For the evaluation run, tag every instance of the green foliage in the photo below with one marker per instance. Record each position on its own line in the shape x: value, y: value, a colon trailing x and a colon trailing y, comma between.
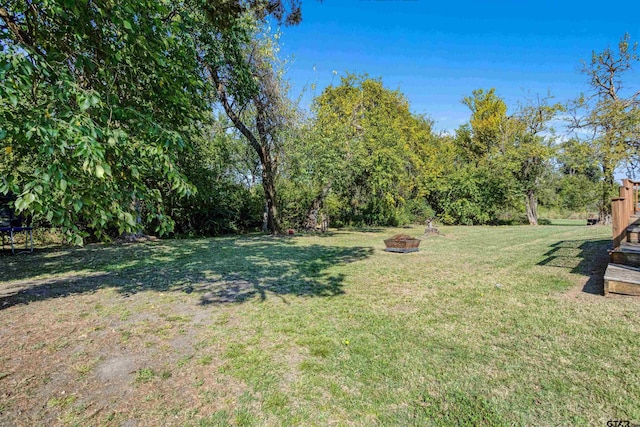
x: 488, y: 116
x: 609, y: 112
x: 417, y: 211
x: 314, y: 165
x: 369, y: 149
x: 98, y: 103
x: 224, y: 201
x: 474, y: 195
x: 106, y: 127
x: 532, y: 142
x: 479, y: 185
x: 578, y: 193
x: 246, y: 75
x: 294, y: 202
x: 520, y: 146
x: 224, y: 13
x: 575, y: 183
x: 577, y: 157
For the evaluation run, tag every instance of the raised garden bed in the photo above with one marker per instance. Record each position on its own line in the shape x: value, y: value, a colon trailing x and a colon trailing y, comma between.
x: 402, y: 243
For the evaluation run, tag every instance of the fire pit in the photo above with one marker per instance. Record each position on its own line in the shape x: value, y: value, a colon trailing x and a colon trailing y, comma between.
x: 402, y: 243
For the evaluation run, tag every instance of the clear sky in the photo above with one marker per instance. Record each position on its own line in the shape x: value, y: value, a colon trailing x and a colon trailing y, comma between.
x: 437, y: 52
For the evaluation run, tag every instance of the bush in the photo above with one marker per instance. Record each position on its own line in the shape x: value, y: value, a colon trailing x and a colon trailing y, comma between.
x: 474, y: 195
x: 417, y: 211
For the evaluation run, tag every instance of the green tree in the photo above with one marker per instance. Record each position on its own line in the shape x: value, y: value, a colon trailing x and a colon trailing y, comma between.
x: 223, y: 171
x: 578, y: 193
x: 98, y: 101
x: 482, y: 185
x: 520, y: 145
x: 315, y: 163
x: 246, y: 74
x: 101, y: 99
x: 375, y: 154
x: 474, y: 194
x: 223, y: 14
x: 608, y: 116
x: 578, y: 157
x: 576, y: 182
x: 532, y: 150
x: 488, y: 118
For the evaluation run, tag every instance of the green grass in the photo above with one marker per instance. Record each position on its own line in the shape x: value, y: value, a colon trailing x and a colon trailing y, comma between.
x: 483, y: 326
x: 145, y: 375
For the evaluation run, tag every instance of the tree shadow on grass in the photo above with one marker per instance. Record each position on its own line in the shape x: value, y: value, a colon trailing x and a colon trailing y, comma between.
x: 586, y: 257
x: 222, y: 270
x: 345, y: 230
x: 365, y: 229
x: 548, y: 223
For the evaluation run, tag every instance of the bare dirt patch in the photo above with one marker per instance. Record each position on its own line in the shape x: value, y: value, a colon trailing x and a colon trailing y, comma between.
x: 102, y: 358
x: 120, y: 369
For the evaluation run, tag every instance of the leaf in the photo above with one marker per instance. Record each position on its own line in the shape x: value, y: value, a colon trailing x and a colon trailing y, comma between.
x: 126, y: 24
x: 129, y: 219
x: 160, y: 61
x: 99, y: 171
x: 63, y: 185
x: 3, y: 133
x: 84, y: 104
x: 77, y: 205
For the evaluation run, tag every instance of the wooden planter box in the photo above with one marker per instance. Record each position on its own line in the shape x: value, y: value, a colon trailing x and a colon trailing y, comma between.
x: 402, y: 243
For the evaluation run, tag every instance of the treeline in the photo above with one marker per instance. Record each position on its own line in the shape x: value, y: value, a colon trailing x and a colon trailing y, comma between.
x: 164, y: 117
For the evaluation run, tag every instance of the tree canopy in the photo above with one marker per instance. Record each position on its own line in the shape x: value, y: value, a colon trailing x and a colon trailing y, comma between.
x: 103, y: 98
x: 118, y: 117
x: 608, y: 115
x: 370, y: 149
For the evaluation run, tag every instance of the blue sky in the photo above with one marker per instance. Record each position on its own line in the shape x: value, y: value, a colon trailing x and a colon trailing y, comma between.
x: 438, y: 52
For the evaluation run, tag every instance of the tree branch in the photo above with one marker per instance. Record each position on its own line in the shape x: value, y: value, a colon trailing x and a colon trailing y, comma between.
x: 11, y: 22
x: 235, y: 118
x: 23, y: 37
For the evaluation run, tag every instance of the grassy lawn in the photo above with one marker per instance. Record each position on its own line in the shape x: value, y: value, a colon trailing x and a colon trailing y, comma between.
x: 483, y: 326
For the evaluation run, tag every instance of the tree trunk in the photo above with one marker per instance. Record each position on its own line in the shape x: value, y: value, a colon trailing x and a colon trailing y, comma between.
x: 604, y: 208
x: 531, y: 202
x: 269, y: 185
x: 260, y: 143
x: 133, y: 237
x: 311, y: 223
x: 265, y: 218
